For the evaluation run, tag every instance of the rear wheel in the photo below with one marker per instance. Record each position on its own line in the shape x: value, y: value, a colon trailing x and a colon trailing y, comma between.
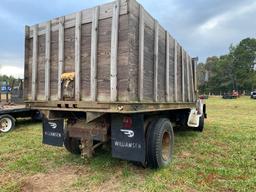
x: 72, y: 144
x: 7, y: 123
x: 160, y: 142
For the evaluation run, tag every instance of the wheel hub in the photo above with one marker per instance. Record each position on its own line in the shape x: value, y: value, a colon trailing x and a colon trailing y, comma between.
x: 166, y: 141
x: 5, y: 124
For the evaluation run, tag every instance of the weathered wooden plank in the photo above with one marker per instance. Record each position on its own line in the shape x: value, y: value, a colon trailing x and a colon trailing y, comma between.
x: 183, y: 74
x: 148, y: 84
x: 171, y: 68
x: 34, y: 62
x: 194, y: 75
x: 114, y: 45
x: 26, y: 63
x: 191, y: 79
x: 156, y: 61
x: 47, y: 60
x: 77, y: 55
x: 61, y: 54
x: 167, y: 65
x: 40, y: 82
x: 123, y: 60
x: 175, y: 71
x: 85, y: 70
x: 54, y: 60
x: 188, y: 78
x: 94, y: 42
x: 134, y: 47
x: 161, y: 71
x: 141, y: 53
x: 103, y: 60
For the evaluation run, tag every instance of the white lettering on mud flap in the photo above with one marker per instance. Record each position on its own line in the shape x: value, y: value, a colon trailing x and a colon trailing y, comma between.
x: 127, y: 145
x: 52, y: 134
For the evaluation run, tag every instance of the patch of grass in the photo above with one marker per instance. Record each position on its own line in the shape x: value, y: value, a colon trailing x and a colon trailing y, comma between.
x: 222, y: 158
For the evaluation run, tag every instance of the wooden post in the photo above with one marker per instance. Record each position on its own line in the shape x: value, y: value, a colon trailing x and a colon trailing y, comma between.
x: 61, y: 54
x: 156, y: 62
x: 194, y: 60
x: 26, y: 64
x: 47, y: 59
x: 175, y: 71
x: 141, y: 54
x: 34, y: 62
x: 191, y: 79
x: 77, y: 55
x: 183, y: 75
x: 94, y: 43
x: 188, y: 78
x: 167, y: 74
x: 114, y: 46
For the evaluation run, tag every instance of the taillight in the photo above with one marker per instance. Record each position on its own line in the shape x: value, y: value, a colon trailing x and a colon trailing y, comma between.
x: 127, y: 122
x: 201, y: 97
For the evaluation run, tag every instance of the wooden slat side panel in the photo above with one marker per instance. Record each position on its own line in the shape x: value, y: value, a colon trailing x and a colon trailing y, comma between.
x: 133, y: 45
x: 122, y: 59
x: 103, y: 68
x: 47, y: 61
x: 114, y: 51
x: 148, y: 58
x: 182, y: 75
x: 171, y: 68
x: 69, y: 50
x: 60, y: 54
x: 179, y: 74
x: 26, y: 64
x: 161, y: 77
x: 156, y: 61
x: 34, y: 62
x: 191, y: 80
x: 77, y: 56
x: 86, y: 61
x: 188, y: 78
x: 40, y: 87
x: 194, y: 64
x: 185, y: 76
x: 167, y: 66
x: 29, y: 75
x: 54, y: 65
x: 93, y: 55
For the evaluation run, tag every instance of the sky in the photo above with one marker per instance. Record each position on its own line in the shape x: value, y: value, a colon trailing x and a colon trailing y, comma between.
x: 204, y: 28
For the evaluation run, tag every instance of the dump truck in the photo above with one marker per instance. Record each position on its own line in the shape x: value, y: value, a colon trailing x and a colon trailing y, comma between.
x: 113, y: 74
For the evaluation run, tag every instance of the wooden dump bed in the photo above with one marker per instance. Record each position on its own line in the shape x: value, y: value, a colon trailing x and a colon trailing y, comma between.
x: 118, y: 54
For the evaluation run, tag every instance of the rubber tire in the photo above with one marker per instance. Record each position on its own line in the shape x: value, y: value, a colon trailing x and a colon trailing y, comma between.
x: 154, y: 138
x: 72, y: 144
x: 200, y: 128
x: 12, y: 122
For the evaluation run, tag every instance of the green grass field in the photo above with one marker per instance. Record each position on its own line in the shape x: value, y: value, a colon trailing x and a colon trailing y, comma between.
x: 222, y: 158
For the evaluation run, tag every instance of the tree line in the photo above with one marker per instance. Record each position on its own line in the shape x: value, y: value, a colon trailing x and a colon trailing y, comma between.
x: 233, y: 71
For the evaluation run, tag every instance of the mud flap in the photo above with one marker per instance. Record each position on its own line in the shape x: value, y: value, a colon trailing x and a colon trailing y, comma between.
x: 128, y: 141
x: 53, y: 132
